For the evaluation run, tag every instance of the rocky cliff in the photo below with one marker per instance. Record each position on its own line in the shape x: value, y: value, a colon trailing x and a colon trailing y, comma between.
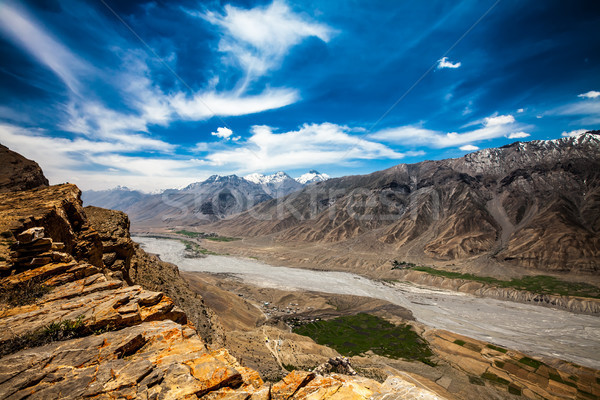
x: 19, y: 173
x: 534, y: 205
x: 72, y: 324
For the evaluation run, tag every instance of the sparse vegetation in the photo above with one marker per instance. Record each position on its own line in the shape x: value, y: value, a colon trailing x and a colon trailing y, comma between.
x: 402, y: 265
x: 541, y: 284
x: 459, y: 342
x: 357, y: 334
x: 24, y: 293
x: 289, y: 367
x: 531, y: 362
x: 476, y: 381
x: 61, y: 330
x: 193, y: 250
x: 208, y: 236
x: 497, y: 348
x: 490, y: 376
x: 512, y: 389
x: 222, y: 238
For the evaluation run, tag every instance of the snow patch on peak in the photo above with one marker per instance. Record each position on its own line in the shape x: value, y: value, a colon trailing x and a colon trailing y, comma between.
x: 312, y: 176
x: 261, y: 179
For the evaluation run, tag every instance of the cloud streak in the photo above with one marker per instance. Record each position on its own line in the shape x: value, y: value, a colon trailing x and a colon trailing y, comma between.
x: 27, y: 33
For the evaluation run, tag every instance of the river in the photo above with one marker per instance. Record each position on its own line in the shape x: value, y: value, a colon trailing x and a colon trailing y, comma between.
x: 532, y: 329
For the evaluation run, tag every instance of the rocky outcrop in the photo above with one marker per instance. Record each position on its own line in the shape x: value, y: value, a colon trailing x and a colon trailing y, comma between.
x: 533, y: 205
x: 570, y: 303
x: 113, y: 228
x: 58, y: 210
x: 128, y: 261
x: 19, y: 173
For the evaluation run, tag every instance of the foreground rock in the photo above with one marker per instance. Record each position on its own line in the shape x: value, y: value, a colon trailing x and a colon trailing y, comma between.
x: 125, y: 259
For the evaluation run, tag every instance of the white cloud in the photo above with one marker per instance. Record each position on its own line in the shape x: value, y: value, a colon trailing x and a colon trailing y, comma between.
x: 98, y: 164
x: 521, y: 110
x: 257, y: 39
x: 222, y: 133
x: 444, y: 63
x: 491, y: 127
x: 518, y: 135
x: 592, y: 94
x: 469, y: 147
x: 576, y: 132
x: 313, y: 144
x: 499, y: 120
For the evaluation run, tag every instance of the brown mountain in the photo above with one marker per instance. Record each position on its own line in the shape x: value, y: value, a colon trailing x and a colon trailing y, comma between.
x: 534, y: 204
x: 18, y: 172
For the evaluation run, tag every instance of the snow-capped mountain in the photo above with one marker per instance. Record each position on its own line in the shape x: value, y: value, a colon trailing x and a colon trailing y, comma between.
x: 311, y: 177
x: 261, y: 179
x: 216, y: 197
x: 278, y: 184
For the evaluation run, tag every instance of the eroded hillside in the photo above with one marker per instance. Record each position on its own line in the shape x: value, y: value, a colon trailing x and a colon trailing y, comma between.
x: 533, y: 205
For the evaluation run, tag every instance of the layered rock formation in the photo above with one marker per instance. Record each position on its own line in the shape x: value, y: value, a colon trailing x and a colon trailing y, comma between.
x: 19, y: 173
x: 534, y: 205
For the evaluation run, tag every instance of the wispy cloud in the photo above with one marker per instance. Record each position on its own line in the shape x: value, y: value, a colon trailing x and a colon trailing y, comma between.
x: 587, y: 109
x: 491, y: 128
x: 312, y: 144
x: 41, y: 45
x: 204, y: 105
x: 468, y: 147
x: 257, y: 39
x: 445, y: 63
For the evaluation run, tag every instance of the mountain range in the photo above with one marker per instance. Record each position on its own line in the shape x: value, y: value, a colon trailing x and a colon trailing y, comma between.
x: 529, y: 204
x: 200, y: 202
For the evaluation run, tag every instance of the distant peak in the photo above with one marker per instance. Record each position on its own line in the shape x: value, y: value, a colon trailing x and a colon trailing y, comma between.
x: 261, y: 179
x: 312, y: 176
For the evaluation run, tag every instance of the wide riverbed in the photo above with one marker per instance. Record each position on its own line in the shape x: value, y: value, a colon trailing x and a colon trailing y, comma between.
x: 532, y: 329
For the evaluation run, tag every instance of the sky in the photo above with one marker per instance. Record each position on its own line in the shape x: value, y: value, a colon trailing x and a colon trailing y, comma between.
x: 156, y: 94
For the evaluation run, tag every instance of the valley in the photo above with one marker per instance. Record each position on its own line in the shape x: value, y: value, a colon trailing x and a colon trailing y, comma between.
x: 565, y: 335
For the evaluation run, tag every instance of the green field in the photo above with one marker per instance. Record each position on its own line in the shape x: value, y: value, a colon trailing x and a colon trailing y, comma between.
x: 357, y: 334
x: 541, y: 284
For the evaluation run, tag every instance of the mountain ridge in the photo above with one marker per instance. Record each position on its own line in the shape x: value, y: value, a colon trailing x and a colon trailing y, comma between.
x: 214, y: 198
x: 530, y: 204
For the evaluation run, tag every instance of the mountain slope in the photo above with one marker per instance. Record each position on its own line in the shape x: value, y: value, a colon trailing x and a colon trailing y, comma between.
x: 534, y: 204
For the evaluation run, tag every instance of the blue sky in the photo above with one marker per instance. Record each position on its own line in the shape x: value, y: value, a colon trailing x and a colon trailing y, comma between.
x: 160, y: 94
